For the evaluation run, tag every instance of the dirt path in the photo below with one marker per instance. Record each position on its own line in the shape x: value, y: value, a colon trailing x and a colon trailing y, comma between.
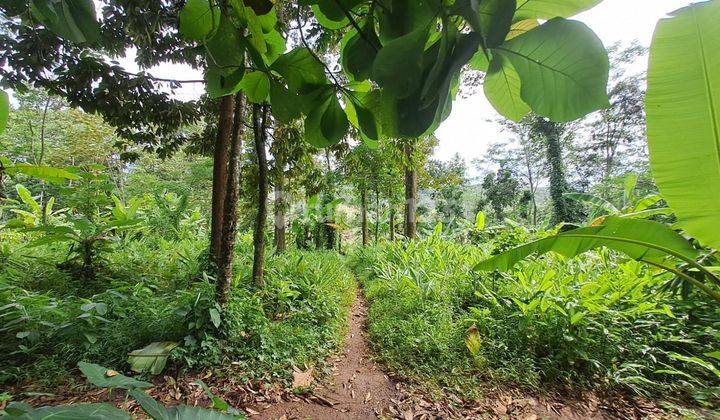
x: 357, y: 388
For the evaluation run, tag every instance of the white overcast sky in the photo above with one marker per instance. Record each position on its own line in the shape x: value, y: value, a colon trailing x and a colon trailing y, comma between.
x: 469, y: 130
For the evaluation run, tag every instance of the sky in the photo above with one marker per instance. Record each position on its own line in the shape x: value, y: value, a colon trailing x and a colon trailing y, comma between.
x: 470, y: 129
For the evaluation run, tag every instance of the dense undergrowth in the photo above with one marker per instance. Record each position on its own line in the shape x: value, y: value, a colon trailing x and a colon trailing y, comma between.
x: 597, y: 322
x: 149, y: 289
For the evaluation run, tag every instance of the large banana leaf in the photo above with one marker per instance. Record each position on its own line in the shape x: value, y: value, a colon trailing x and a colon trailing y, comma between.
x: 66, y: 412
x: 683, y: 117
x: 643, y: 240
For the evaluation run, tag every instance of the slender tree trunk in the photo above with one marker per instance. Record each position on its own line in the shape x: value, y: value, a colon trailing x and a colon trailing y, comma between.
x: 377, y: 215
x: 229, y: 225
x: 260, y: 131
x: 410, y: 193
x: 220, y: 177
x: 279, y: 215
x: 363, y: 217
x: 392, y: 224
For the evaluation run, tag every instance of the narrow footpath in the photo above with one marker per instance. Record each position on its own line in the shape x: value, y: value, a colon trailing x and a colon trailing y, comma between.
x: 357, y: 388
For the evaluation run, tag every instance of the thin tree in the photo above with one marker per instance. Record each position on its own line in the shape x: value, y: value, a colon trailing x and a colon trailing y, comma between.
x: 229, y: 221
x: 260, y: 119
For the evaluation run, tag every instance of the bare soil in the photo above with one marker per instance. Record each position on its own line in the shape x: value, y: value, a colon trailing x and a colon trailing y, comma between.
x: 356, y: 389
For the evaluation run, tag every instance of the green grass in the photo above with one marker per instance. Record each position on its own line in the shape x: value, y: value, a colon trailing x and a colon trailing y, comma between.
x: 596, y: 322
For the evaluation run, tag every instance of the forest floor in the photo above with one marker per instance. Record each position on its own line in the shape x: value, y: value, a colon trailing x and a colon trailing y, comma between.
x: 354, y: 386
x: 358, y: 388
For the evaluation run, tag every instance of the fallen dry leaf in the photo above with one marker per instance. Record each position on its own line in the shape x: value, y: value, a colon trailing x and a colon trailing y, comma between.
x: 302, y: 379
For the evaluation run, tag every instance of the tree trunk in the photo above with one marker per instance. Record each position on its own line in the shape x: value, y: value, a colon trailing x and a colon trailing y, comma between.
x: 229, y: 225
x: 260, y: 128
x: 363, y: 217
x: 279, y: 234
x: 563, y: 210
x: 410, y: 193
x: 392, y: 224
x: 220, y: 163
x: 377, y: 215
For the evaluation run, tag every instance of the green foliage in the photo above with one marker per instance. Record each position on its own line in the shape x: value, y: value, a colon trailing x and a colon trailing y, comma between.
x: 683, y: 117
x: 107, y: 378
x: 546, y: 323
x: 199, y: 20
x: 642, y: 240
x: 4, y: 110
x: 73, y: 20
x: 70, y: 411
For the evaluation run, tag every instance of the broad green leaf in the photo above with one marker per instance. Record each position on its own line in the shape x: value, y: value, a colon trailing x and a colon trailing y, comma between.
x: 268, y: 21
x: 683, y: 117
x: 71, y: 412
x: 286, y: 105
x: 4, y: 110
x: 334, y: 123
x: 641, y: 240
x: 256, y: 86
x: 519, y: 28
x: 153, y: 408
x: 644, y: 214
x: 184, y: 412
x: 439, y: 54
x: 225, y: 49
x: 360, y: 116
x: 27, y: 198
x: 199, y: 20
x: 74, y: 20
x: 45, y: 173
x: 359, y: 52
x: 398, y: 67
x: 275, y: 46
x: 647, y: 202
x: 502, y: 88
x: 631, y: 180
x: 324, y: 124
x: 327, y: 21
x: 300, y: 69
x: 219, y: 83
x: 548, y: 9
x: 106, y: 378
x: 563, y: 68
x: 496, y: 16
x: 151, y: 358
x: 255, y: 29
x: 397, y: 18
x: 480, y: 60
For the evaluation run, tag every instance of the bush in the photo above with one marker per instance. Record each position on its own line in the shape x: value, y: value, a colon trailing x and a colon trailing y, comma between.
x: 153, y: 289
x: 593, y: 322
